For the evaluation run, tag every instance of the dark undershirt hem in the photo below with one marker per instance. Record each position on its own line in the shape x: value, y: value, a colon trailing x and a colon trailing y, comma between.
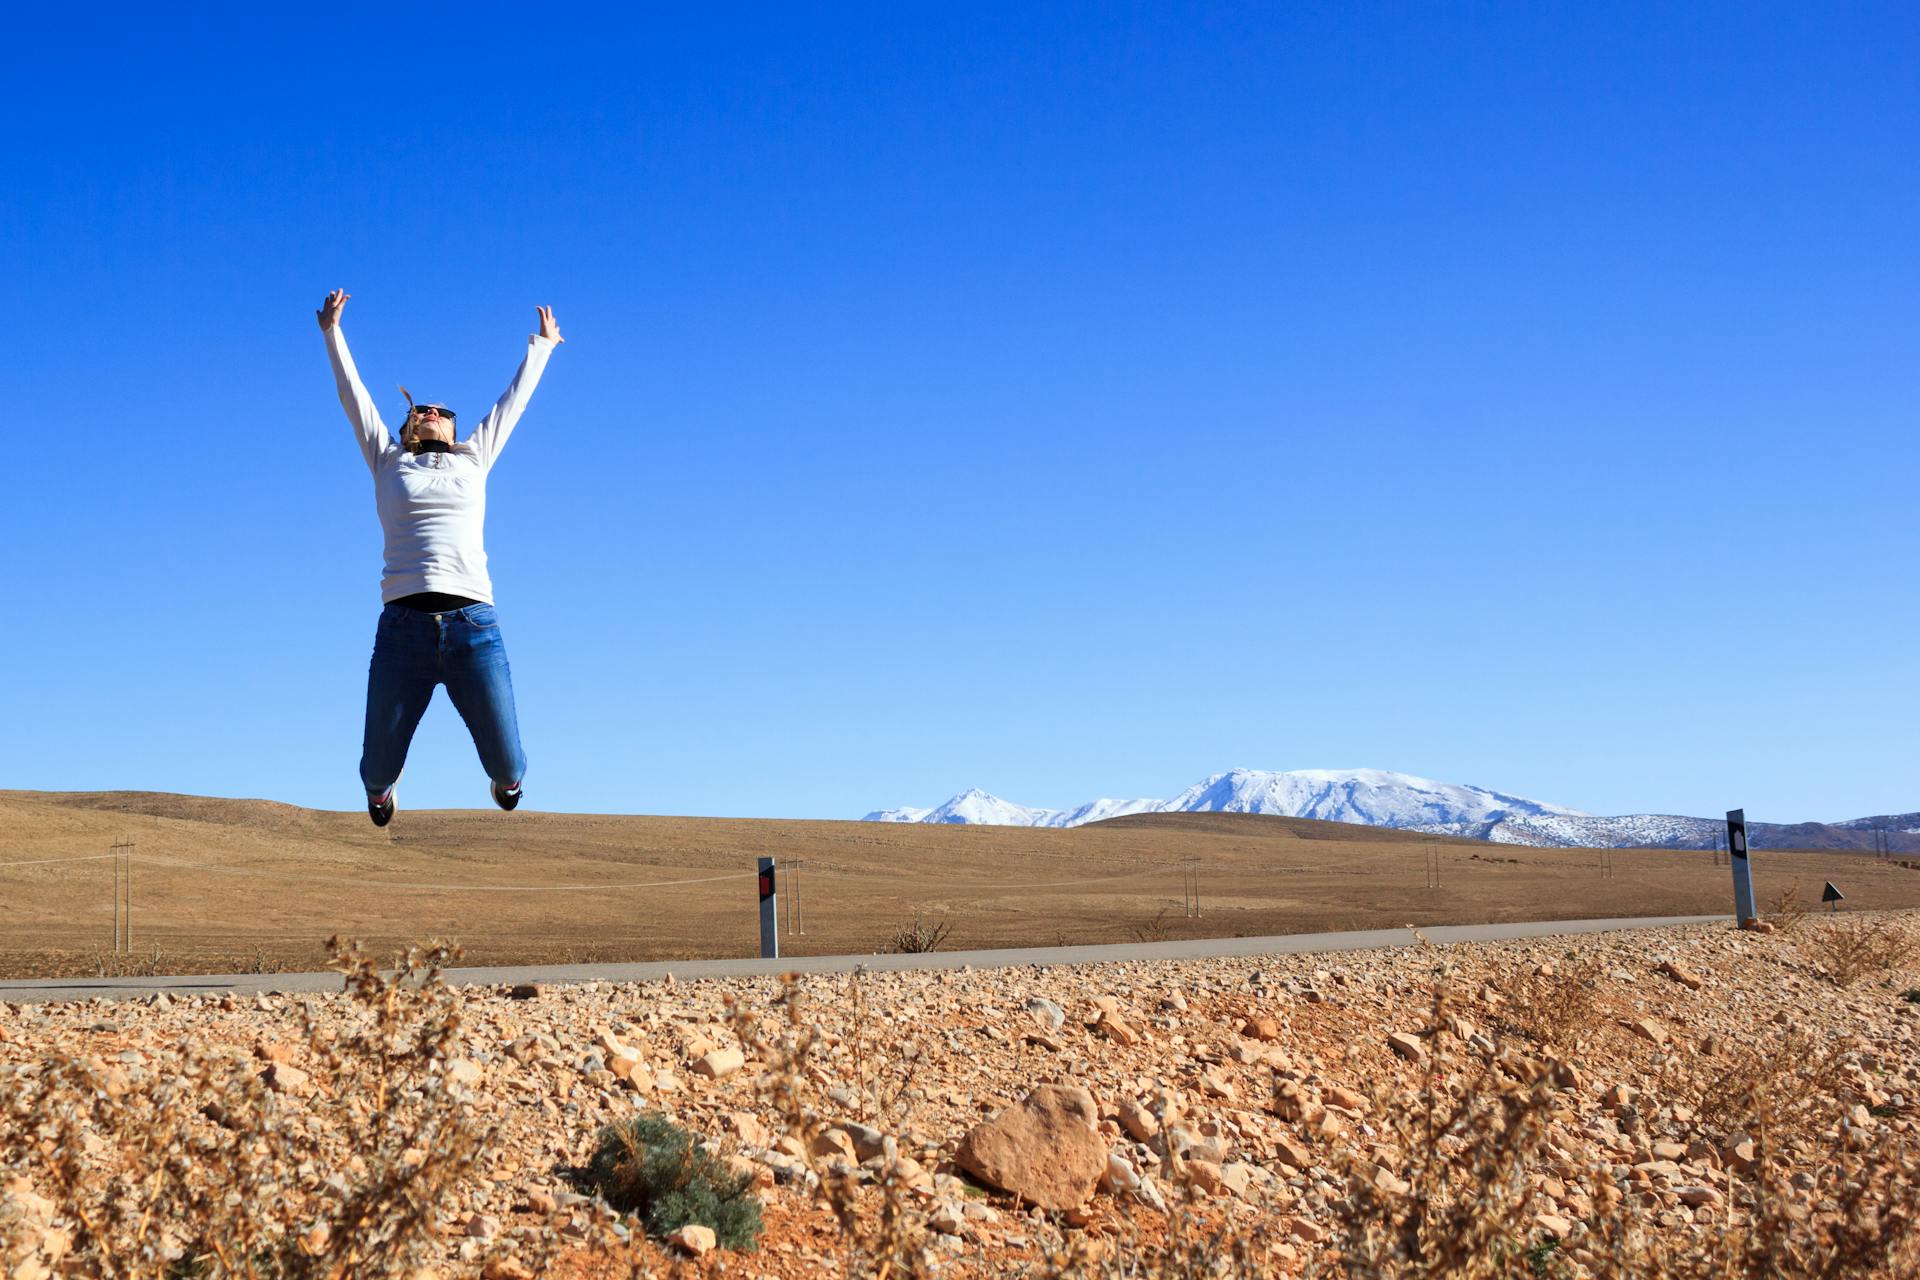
x: 433, y: 602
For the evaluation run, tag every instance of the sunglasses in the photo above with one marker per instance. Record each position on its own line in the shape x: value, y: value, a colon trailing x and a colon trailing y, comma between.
x: 420, y: 410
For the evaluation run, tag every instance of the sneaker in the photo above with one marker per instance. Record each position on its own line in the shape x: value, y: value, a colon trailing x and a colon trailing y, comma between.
x: 380, y: 808
x: 506, y: 797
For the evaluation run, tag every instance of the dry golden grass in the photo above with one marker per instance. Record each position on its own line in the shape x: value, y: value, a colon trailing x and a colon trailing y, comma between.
x: 229, y: 885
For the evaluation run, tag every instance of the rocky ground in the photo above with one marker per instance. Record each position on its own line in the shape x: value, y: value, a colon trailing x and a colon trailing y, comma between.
x: 1106, y: 1096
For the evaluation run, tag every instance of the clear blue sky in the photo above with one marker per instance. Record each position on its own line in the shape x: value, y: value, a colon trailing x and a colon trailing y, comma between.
x: 1064, y: 401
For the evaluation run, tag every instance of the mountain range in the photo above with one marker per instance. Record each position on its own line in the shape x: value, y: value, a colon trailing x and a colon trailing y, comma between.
x: 1376, y: 797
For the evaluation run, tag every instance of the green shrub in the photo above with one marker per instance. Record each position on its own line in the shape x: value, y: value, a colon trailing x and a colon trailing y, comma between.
x: 651, y: 1167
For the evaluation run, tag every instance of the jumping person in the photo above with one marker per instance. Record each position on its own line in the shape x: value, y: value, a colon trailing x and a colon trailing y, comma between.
x: 438, y: 625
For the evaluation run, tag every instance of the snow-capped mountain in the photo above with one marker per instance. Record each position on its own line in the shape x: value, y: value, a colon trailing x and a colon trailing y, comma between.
x: 1375, y: 797
x: 977, y: 807
x: 1371, y: 796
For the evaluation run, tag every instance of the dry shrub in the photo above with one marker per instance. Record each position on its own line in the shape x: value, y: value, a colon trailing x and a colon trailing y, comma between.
x: 1781, y: 1091
x: 1156, y: 929
x: 1447, y: 1188
x: 891, y: 1236
x: 1553, y: 1006
x: 920, y: 937
x: 196, y: 1166
x: 1450, y: 1191
x: 1857, y: 947
x: 1789, y: 912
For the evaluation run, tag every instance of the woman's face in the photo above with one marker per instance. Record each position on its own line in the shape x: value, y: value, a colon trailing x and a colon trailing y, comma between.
x: 427, y: 422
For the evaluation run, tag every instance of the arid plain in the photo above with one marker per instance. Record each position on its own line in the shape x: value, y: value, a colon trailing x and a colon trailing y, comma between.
x: 244, y: 884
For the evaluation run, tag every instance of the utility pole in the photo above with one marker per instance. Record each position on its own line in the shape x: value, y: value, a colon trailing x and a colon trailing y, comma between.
x: 796, y: 917
x: 122, y: 897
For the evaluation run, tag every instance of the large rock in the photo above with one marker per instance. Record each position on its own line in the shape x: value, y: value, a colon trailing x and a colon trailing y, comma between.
x: 1044, y: 1149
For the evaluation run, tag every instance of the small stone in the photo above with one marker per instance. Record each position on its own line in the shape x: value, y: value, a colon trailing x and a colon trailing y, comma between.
x: 1207, y: 1176
x: 1261, y: 1029
x: 1407, y: 1046
x: 868, y: 1141
x: 1647, y: 1029
x: 1554, y: 1225
x: 747, y: 1127
x: 276, y: 1051
x: 1685, y: 977
x: 694, y: 1239
x: 1292, y: 1153
x: 285, y: 1079
x: 720, y: 1063
x: 1218, y: 1086
x: 832, y: 1143
x: 464, y: 1072
x: 1045, y: 1012
x: 1120, y: 1175
x: 1346, y: 1099
x: 1138, y: 1120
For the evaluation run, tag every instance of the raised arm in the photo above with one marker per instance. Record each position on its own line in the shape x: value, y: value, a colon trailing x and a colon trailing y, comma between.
x: 491, y: 435
x: 367, y: 425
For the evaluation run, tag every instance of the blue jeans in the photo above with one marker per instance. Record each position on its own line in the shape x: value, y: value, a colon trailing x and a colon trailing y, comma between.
x: 412, y: 653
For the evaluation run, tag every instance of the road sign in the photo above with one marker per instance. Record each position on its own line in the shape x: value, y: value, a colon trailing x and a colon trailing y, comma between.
x: 1743, y: 908
x: 769, y: 915
x: 1831, y: 895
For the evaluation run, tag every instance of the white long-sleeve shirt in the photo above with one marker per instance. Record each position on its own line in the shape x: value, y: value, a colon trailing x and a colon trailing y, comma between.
x: 433, y: 506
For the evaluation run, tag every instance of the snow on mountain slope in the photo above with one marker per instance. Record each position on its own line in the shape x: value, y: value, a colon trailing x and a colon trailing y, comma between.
x: 973, y: 807
x: 1370, y: 796
x: 1375, y: 797
x: 1634, y: 830
x: 897, y: 815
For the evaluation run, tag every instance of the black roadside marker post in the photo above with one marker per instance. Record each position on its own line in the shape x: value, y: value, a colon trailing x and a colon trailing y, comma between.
x: 1832, y: 896
x: 1742, y: 867
x: 769, y: 915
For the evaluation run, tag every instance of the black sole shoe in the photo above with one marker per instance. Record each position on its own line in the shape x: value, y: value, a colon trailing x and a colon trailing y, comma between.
x: 507, y: 798
x: 381, y: 810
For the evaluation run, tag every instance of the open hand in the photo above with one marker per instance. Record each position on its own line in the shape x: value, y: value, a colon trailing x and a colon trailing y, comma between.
x: 548, y: 328
x: 329, y: 313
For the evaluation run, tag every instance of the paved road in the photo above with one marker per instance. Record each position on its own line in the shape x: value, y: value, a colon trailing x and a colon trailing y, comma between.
x: 33, y: 990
